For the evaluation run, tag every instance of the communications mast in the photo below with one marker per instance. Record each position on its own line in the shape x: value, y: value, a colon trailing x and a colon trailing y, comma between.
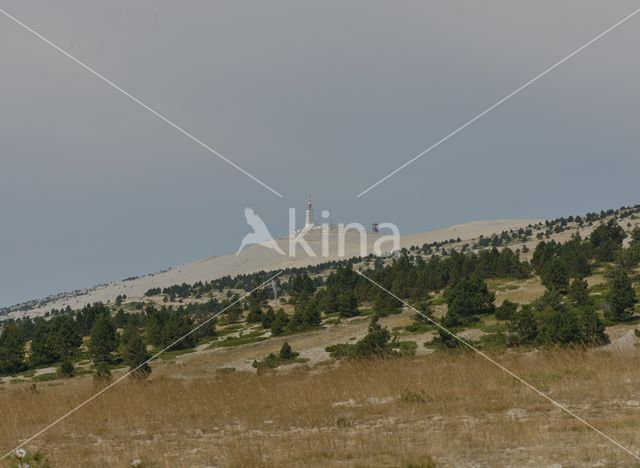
x: 308, y: 219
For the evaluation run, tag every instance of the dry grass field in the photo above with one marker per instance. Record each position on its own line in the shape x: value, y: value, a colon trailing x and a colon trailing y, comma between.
x: 441, y: 409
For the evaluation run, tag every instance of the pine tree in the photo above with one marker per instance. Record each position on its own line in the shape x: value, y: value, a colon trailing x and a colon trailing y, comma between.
x: 385, y: 304
x: 121, y: 319
x: 312, y: 314
x: 267, y: 318
x: 579, y: 293
x: 129, y: 331
x: 306, y: 315
x: 206, y: 330
x: 621, y: 297
x: 506, y: 310
x: 425, y: 310
x: 66, y: 336
x: 103, y: 340
x: 593, y: 329
x: 279, y: 322
x: 11, y: 353
x: 629, y: 259
x: 544, y: 252
x: 255, y: 314
x: 43, y: 348
x: 155, y: 321
x: 560, y: 327
x: 286, y: 353
x: 66, y: 370
x: 234, y: 313
x: 447, y: 340
x: 555, y: 275
x: 470, y: 297
x: 347, y: 304
x: 177, y: 327
x: 606, y: 240
x: 86, y: 317
x: 549, y: 300
x: 302, y: 284
x: 376, y: 341
x: 135, y: 356
x: 523, y: 327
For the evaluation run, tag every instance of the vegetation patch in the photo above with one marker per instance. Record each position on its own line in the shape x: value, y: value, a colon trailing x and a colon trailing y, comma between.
x: 45, y: 377
x: 377, y: 343
x: 494, y: 342
x: 413, y: 396
x: 171, y: 354
x: 285, y: 356
x: 230, y: 341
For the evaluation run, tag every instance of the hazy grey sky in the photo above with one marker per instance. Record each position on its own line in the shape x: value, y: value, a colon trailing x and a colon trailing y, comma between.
x: 322, y: 97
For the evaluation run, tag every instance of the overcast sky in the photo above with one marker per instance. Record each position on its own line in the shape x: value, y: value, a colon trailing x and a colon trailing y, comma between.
x: 321, y: 97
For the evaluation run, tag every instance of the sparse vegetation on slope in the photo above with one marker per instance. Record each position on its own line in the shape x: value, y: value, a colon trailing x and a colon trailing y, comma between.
x: 567, y: 296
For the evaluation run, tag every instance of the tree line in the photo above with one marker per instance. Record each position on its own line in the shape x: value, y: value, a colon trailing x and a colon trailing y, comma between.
x: 565, y: 314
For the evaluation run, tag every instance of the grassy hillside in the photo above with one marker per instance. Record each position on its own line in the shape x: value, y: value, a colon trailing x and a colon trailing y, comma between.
x: 366, y: 380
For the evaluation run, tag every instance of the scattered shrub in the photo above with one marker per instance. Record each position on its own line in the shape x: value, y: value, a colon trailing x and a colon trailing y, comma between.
x: 66, y: 370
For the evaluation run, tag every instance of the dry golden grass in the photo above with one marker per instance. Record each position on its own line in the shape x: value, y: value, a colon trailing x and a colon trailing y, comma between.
x: 455, y: 409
